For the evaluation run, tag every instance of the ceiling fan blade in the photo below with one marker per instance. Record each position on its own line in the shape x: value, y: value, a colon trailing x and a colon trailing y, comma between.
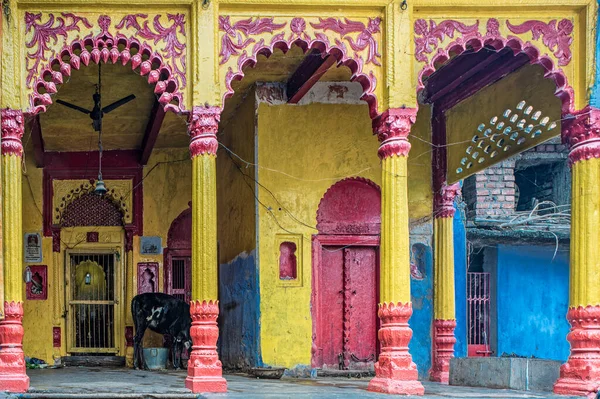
x: 117, y: 104
x: 75, y: 107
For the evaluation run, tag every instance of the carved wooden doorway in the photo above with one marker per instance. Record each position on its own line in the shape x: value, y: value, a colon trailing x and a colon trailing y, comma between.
x: 345, y: 276
x: 178, y: 257
x: 95, y: 275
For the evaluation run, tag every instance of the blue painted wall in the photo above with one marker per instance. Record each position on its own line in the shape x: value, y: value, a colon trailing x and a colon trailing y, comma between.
x: 422, y: 318
x: 460, y: 283
x: 239, y: 316
x: 532, y: 301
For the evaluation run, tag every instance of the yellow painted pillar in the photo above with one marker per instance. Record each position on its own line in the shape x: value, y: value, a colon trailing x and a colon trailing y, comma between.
x: 204, y: 367
x: 12, y: 361
x: 395, y: 372
x: 580, y: 375
x: 444, y: 321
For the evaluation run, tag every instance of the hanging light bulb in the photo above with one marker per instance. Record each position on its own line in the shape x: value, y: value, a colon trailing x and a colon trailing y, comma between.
x: 100, y: 187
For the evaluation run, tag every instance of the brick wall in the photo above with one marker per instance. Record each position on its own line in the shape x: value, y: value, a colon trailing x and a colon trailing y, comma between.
x: 491, y: 192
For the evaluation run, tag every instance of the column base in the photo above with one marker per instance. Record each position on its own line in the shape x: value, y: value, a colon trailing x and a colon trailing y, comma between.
x: 395, y: 372
x: 576, y: 387
x: 14, y: 383
x: 580, y: 375
x: 443, y: 350
x: 206, y: 384
x: 205, y: 373
x: 12, y: 360
x: 395, y: 387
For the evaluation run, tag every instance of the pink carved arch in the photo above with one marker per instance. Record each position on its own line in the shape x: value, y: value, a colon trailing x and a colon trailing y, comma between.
x: 350, y: 206
x: 322, y: 44
x: 180, y: 232
x: 105, y: 47
x: 471, y: 39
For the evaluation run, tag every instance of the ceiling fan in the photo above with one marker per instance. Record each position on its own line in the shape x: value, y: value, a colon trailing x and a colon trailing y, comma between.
x: 97, y: 113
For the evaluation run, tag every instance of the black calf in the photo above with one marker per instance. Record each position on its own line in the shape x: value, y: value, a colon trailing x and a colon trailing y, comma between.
x: 163, y: 314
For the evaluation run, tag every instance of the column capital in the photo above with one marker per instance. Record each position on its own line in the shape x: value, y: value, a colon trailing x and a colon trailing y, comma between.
x: 581, y: 133
x: 444, y: 200
x: 12, y: 127
x: 202, y: 128
x: 392, y: 129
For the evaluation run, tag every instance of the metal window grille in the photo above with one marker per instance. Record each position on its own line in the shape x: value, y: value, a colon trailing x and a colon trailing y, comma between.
x: 478, y: 303
x: 92, y: 303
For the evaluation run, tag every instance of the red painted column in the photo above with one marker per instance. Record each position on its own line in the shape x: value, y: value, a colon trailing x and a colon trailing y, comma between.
x: 12, y: 362
x: 204, y: 367
x: 395, y: 372
x: 580, y: 375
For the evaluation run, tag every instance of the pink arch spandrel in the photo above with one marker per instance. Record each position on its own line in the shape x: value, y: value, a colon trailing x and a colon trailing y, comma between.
x: 105, y: 47
x: 368, y: 82
x: 496, y: 42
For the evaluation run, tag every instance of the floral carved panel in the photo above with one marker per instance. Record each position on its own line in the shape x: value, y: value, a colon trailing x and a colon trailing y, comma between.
x: 152, y: 45
x: 546, y: 43
x: 67, y: 191
x: 355, y: 43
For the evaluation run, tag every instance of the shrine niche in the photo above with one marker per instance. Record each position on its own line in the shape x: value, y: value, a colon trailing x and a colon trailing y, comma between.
x: 147, y: 277
x: 37, y: 287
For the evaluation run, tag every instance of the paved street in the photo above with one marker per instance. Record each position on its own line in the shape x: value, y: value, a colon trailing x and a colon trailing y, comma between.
x: 92, y: 382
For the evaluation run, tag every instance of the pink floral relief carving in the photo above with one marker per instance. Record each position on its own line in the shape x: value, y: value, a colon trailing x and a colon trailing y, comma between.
x: 428, y: 37
x: 233, y: 42
x: 43, y: 33
x: 49, y: 61
x: 556, y: 37
x: 365, y: 37
x: 238, y: 42
x: 173, y: 49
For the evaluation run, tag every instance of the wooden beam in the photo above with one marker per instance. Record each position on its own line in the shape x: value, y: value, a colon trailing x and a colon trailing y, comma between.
x: 451, y: 84
x: 37, y: 141
x: 152, y: 129
x: 451, y: 71
x: 308, y: 73
x: 494, y: 72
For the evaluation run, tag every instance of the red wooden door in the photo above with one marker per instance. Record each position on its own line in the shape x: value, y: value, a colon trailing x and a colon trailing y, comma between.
x: 180, y: 278
x: 347, y: 292
x: 360, y: 325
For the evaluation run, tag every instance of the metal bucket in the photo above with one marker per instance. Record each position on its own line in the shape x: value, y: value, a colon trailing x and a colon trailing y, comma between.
x: 156, y: 358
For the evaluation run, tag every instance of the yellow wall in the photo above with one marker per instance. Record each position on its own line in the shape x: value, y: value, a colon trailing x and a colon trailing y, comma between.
x: 167, y: 191
x: 37, y: 320
x: 319, y: 142
x: 420, y: 195
x: 235, y: 201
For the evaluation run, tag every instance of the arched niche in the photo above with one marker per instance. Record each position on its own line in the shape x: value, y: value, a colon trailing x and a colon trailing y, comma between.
x: 350, y: 206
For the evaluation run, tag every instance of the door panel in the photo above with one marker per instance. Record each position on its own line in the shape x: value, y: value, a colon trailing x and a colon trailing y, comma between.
x: 347, y: 313
x: 331, y: 306
x: 92, y: 303
x: 360, y: 266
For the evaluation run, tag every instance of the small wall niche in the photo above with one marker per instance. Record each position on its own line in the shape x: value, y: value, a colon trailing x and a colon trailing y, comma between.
x: 288, y: 264
x: 289, y: 259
